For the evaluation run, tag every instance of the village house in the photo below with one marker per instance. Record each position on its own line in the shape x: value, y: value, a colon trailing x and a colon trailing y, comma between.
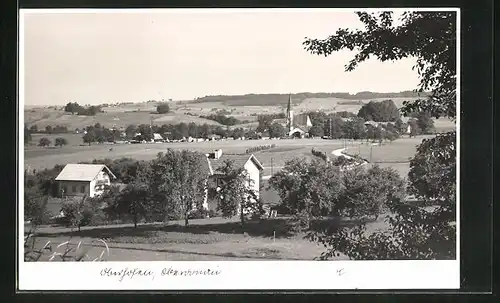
x: 158, y: 138
x: 84, y: 179
x: 251, y: 165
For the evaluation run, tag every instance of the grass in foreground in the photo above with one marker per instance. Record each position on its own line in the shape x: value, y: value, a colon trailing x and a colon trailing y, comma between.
x: 205, y: 239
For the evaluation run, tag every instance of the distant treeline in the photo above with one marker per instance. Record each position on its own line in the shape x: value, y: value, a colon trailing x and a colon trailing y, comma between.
x: 49, y: 129
x: 222, y: 119
x: 76, y: 108
x: 282, y: 99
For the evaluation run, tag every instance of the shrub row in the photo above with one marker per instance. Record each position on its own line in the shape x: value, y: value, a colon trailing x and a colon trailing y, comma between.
x: 259, y: 148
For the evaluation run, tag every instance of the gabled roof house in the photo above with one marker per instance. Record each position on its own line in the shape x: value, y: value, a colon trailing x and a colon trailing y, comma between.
x: 248, y: 162
x: 84, y: 179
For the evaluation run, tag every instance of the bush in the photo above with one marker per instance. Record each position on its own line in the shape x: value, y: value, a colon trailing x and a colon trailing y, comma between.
x: 320, y: 154
x: 343, y: 161
x: 44, y: 142
x: 163, y: 108
x: 80, y: 212
x: 61, y: 142
x: 198, y: 214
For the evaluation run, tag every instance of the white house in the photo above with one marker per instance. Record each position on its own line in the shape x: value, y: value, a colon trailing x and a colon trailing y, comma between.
x: 251, y: 165
x: 84, y: 179
x: 158, y: 138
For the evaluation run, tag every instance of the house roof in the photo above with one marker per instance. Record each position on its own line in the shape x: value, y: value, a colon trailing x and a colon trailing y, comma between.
x: 297, y: 129
x: 157, y: 136
x: 82, y: 172
x: 239, y: 160
x: 302, y: 120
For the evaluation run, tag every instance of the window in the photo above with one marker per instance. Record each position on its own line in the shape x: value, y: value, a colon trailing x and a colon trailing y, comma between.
x: 82, y: 189
x: 73, y: 188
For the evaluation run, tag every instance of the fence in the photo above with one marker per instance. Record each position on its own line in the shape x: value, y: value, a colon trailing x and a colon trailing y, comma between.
x: 259, y: 148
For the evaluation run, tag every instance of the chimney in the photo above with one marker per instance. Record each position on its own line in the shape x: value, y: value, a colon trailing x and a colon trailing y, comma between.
x: 217, y: 153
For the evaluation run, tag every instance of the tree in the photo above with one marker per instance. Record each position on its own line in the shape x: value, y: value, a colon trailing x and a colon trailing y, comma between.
x: 316, y: 131
x: 89, y: 137
x: 44, y: 142
x: 182, y: 130
x: 276, y: 130
x: 45, y: 180
x: 309, y: 189
x: 163, y: 108
x: 378, y: 133
x: 433, y: 170
x: 72, y: 107
x: 236, y: 194
x: 130, y: 131
x: 424, y: 122
x: 146, y: 132
x: 334, y: 126
x: 193, y: 130
x: 416, y: 233
x: 27, y: 135
x: 264, y: 122
x: 77, y: 211
x: 205, y: 131
x: 221, y: 132
x: 135, y: 200
x: 370, y: 132
x: 384, y: 111
x: 367, y: 191
x: 354, y: 129
x: 48, y: 129
x: 178, y: 182
x: 391, y: 132
x: 34, y: 128
x: 61, y: 142
x: 400, y: 127
x: 238, y: 133
x: 35, y: 207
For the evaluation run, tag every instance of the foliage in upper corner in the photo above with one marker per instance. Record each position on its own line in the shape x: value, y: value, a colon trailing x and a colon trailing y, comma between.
x: 430, y: 37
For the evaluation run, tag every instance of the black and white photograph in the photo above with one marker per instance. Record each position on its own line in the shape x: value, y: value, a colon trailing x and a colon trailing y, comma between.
x: 260, y: 135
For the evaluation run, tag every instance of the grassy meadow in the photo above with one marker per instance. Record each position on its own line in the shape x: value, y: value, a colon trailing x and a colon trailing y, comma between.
x: 214, y: 239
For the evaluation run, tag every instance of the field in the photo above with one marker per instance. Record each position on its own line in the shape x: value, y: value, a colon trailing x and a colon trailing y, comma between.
x: 204, y: 240
x: 117, y: 118
x: 144, y: 113
x: 396, y: 154
x: 37, y: 157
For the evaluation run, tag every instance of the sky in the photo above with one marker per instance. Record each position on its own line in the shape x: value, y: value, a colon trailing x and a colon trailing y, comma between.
x: 94, y: 58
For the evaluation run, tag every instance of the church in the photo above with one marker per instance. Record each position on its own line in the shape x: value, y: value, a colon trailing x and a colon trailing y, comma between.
x: 297, y: 126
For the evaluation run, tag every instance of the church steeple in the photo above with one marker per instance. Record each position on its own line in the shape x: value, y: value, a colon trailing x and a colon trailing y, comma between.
x: 289, y: 113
